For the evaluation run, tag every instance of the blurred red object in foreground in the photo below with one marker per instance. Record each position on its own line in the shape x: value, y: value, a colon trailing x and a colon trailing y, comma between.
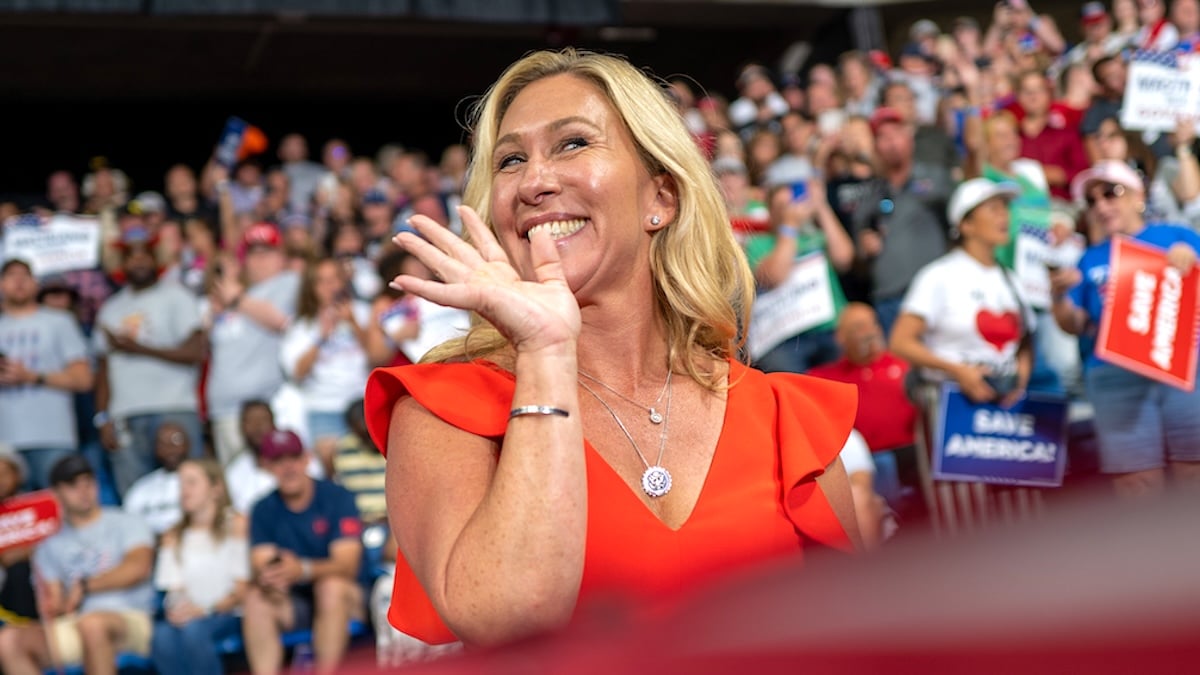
x: 1095, y: 587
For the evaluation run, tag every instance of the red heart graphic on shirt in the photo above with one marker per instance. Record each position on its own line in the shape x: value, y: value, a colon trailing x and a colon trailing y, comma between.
x: 998, y: 329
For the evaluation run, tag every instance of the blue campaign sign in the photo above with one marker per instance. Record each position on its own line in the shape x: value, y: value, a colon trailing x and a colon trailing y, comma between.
x: 1022, y: 445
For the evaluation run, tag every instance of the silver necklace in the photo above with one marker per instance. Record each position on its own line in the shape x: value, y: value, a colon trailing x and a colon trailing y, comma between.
x: 655, y: 416
x: 656, y: 480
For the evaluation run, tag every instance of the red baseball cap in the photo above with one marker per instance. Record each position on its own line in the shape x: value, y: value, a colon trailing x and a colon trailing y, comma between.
x: 883, y: 116
x: 260, y: 234
x: 280, y: 443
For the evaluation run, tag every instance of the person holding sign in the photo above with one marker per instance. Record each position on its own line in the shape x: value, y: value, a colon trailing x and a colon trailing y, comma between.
x: 1142, y: 425
x: 602, y: 260
x: 965, y: 319
x: 795, y: 267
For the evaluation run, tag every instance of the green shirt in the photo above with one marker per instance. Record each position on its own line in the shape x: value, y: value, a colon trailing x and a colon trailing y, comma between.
x: 809, y: 240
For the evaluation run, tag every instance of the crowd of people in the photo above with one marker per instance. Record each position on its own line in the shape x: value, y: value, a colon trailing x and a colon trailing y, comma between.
x: 193, y: 395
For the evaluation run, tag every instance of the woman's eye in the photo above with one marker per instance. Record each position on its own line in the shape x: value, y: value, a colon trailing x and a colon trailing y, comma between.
x: 574, y: 142
x: 507, y: 161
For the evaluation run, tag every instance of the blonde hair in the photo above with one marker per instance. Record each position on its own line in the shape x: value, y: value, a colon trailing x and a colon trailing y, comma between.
x: 703, y: 285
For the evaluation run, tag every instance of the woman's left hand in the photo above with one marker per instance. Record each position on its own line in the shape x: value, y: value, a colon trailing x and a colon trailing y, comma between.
x: 1182, y: 257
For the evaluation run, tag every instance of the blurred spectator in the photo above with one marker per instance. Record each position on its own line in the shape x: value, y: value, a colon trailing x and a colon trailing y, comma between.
x: 965, y: 320
x: 1099, y: 40
x: 62, y: 192
x: 1157, y: 33
x: 246, y: 189
x: 1067, y: 111
x: 886, y: 417
x: 1125, y: 16
x: 860, y: 85
x: 1143, y: 427
x: 1059, y: 150
x: 1185, y: 16
x: 759, y: 105
x: 804, y: 227
x: 931, y: 144
x: 183, y: 196
x: 1110, y: 73
x: 455, y: 161
x: 378, y: 216
x: 303, y: 175
x: 347, y: 246
x: 325, y: 353
x: 395, y: 314
x: 360, y: 468
x: 336, y: 158
x: 245, y: 478
x: 1175, y: 184
x: 417, y: 195
x: 106, y: 188
x: 17, y: 603
x: 155, y: 497
x: 43, y: 361
x: 203, y: 567
x: 246, y: 317
x: 899, y: 225
x: 149, y: 332
x: 93, y: 584
x: 305, y: 561
x: 795, y: 165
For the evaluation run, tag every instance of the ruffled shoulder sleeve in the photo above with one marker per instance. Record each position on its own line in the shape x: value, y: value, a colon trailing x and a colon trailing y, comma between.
x: 813, y: 420
x: 474, y: 397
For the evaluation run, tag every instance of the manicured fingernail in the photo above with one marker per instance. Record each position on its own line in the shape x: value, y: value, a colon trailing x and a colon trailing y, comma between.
x: 395, y: 286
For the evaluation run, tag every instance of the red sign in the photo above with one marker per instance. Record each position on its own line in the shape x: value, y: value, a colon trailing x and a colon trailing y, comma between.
x: 27, y: 519
x: 1149, y: 324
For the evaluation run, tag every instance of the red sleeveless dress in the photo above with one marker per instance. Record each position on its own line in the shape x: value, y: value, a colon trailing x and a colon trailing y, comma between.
x: 759, y: 502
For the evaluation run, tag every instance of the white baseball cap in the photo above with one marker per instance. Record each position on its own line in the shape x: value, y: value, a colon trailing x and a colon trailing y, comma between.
x: 972, y: 193
x: 1111, y: 171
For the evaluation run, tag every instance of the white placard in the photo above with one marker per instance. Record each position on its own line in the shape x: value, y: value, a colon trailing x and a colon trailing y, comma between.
x: 803, y: 301
x: 1161, y: 87
x: 61, y: 244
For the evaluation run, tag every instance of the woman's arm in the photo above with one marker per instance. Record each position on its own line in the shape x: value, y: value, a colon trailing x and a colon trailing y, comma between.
x: 496, y: 535
x: 907, y: 344
x: 499, y: 548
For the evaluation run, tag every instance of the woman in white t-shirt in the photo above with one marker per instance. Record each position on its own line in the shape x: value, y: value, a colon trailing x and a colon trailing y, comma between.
x: 203, y: 566
x: 964, y: 318
x: 325, y: 351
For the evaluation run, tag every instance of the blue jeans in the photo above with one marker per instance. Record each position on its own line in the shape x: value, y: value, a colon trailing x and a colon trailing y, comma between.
x: 888, y: 310
x: 192, y: 647
x: 135, y: 456
x: 40, y: 461
x: 799, y: 353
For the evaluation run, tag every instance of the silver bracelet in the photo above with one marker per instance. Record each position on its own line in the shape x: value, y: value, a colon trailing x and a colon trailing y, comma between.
x: 537, y: 410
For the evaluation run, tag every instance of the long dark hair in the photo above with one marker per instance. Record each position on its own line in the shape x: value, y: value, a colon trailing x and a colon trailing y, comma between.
x: 307, y: 306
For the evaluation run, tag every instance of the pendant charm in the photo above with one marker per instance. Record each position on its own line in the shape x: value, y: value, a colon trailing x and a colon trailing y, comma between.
x: 656, y: 481
x: 655, y: 416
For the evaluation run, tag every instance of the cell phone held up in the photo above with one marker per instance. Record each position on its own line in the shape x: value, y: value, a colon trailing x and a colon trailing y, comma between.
x: 799, y: 191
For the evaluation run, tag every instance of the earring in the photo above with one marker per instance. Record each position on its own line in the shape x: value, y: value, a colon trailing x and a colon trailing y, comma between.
x: 655, y: 220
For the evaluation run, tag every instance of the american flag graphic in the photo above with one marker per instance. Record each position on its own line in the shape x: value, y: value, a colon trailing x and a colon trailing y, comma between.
x: 1165, y: 59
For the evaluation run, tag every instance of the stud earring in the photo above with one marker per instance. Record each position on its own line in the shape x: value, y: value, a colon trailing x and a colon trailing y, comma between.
x: 655, y: 220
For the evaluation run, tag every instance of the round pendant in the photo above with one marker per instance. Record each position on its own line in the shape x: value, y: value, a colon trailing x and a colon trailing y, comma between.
x: 656, y: 481
x: 655, y: 416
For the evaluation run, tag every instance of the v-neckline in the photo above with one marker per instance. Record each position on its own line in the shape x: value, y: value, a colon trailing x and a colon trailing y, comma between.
x: 628, y: 492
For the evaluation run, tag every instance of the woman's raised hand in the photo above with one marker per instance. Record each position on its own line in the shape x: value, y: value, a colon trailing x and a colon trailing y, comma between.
x: 534, y: 315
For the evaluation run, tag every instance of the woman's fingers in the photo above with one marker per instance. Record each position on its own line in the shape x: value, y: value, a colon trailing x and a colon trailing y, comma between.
x: 481, y: 236
x: 445, y: 240
x: 445, y: 267
x: 547, y: 265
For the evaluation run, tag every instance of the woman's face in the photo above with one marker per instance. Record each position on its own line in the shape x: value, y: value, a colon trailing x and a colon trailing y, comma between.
x: 1110, y: 141
x: 565, y: 157
x: 328, y: 281
x: 1114, y: 208
x: 1034, y: 94
x: 1125, y: 11
x: 987, y: 223
x: 1004, y: 143
x: 195, y: 490
x: 764, y: 149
